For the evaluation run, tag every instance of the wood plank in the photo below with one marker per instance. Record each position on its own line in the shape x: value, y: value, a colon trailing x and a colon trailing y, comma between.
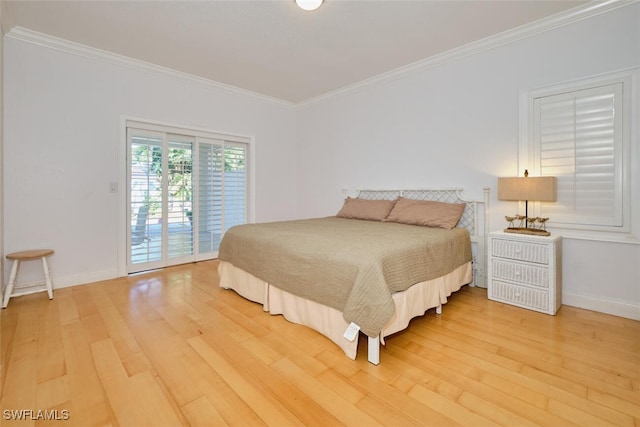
x: 270, y: 384
x: 157, y: 406
x: 496, y: 412
x: 341, y: 386
x: 386, y: 413
x: 331, y: 401
x: 528, y: 384
x: 201, y: 412
x: 52, y: 393
x: 89, y: 402
x: 266, y: 407
x: 20, y: 387
x: 116, y: 384
x: 50, y: 361
x: 408, y: 407
x: 471, y: 380
x: 439, y: 403
x: 67, y: 309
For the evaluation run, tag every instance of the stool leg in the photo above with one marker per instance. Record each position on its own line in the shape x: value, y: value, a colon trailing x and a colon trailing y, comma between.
x: 12, y: 282
x: 47, y: 277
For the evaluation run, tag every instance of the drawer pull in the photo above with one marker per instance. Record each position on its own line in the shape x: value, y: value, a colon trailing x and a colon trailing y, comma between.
x: 525, y: 297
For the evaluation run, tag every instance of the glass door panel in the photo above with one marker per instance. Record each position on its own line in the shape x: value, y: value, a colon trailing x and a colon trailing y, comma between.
x: 145, y: 195
x: 179, y: 210
x: 160, y: 190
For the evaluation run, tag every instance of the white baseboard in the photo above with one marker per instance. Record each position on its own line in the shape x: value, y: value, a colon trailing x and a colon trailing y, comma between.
x: 614, y: 307
x: 26, y: 288
x: 64, y: 281
x: 83, y: 279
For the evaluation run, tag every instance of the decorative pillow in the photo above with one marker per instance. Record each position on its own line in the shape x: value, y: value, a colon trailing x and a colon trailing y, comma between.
x: 373, y: 210
x: 426, y: 212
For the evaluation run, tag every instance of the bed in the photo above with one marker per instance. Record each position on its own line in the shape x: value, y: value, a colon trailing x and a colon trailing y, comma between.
x: 385, y: 258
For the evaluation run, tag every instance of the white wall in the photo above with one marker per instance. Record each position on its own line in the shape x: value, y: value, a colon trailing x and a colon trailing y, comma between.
x: 456, y: 124
x: 62, y: 145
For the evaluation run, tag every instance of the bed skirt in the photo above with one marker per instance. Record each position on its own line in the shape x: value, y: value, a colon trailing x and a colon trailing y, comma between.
x: 413, y: 302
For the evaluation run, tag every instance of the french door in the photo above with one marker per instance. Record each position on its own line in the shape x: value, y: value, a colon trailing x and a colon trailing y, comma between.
x: 184, y: 191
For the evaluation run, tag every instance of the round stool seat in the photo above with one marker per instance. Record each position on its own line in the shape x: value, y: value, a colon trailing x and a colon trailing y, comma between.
x: 31, y: 254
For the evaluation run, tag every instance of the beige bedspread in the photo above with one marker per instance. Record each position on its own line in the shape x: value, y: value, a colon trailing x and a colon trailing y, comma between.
x: 351, y: 265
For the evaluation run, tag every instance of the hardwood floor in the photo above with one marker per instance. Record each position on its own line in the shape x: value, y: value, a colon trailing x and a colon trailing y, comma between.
x: 171, y: 348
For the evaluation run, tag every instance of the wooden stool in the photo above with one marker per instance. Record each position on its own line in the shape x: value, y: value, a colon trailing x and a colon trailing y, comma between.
x: 17, y: 257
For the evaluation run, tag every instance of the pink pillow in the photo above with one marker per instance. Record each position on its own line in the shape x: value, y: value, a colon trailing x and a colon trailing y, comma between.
x: 373, y: 210
x: 426, y: 212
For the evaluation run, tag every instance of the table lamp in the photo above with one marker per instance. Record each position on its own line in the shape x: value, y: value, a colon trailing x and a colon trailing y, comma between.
x: 541, y: 189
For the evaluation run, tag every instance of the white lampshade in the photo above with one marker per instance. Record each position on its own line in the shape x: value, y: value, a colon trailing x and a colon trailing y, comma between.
x: 309, y: 4
x: 541, y: 188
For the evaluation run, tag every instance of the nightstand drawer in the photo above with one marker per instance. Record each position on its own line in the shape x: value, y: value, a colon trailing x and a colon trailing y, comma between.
x: 521, y: 251
x: 519, y: 295
x: 527, y: 274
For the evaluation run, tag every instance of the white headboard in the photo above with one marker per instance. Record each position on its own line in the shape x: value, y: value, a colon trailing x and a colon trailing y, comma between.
x: 478, y: 230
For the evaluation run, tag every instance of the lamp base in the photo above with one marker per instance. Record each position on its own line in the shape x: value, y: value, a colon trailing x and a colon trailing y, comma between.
x: 522, y: 230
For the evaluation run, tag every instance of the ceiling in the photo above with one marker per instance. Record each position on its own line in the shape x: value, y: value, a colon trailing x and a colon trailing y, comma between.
x: 272, y: 47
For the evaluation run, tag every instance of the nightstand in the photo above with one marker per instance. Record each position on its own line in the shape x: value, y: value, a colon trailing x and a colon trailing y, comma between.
x: 525, y: 270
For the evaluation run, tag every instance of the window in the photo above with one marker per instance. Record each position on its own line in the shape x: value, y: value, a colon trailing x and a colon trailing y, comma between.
x: 581, y: 134
x: 185, y: 189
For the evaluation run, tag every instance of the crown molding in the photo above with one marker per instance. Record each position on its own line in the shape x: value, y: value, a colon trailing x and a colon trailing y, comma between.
x: 577, y: 14
x: 510, y: 36
x: 73, y: 48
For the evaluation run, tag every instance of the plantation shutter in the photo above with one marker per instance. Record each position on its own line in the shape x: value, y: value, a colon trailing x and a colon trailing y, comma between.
x: 579, y: 138
x: 235, y: 185
x: 210, y: 195
x: 222, y: 186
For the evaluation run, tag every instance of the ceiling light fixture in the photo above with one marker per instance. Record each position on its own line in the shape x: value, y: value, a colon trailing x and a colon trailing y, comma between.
x: 309, y: 4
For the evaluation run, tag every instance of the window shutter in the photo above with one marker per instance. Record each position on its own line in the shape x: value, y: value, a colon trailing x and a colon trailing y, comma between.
x: 210, y: 195
x: 579, y: 138
x: 235, y: 185
x: 222, y: 190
